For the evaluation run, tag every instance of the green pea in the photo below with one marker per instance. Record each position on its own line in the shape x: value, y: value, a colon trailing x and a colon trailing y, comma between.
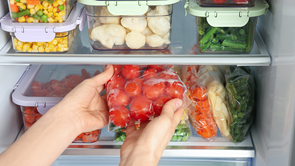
x: 61, y: 7
x: 35, y: 16
x: 17, y: 0
x: 39, y: 12
x: 44, y: 18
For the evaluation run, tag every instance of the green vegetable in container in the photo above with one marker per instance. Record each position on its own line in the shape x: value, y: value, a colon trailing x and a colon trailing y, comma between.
x: 20, y: 14
x: 39, y: 12
x: 233, y: 44
x: 240, y: 91
x: 61, y: 7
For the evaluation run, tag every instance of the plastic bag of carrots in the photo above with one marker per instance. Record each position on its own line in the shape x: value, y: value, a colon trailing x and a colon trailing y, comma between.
x: 199, y: 111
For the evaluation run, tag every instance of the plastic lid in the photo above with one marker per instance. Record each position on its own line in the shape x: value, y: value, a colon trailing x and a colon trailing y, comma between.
x: 227, y: 16
x: 37, y: 86
x: 44, y: 32
x: 127, y: 7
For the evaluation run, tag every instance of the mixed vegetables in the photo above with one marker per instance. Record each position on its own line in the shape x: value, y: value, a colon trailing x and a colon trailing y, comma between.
x: 240, y: 91
x: 40, y: 11
x: 225, y: 40
x: 226, y: 3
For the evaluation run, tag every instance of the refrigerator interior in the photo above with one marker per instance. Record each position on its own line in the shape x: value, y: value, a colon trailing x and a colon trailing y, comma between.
x: 272, y: 133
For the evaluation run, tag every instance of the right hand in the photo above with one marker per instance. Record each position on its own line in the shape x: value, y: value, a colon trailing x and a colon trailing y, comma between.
x: 145, y: 146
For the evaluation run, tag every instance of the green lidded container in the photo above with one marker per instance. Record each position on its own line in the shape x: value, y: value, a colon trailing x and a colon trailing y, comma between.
x: 129, y: 25
x: 226, y: 29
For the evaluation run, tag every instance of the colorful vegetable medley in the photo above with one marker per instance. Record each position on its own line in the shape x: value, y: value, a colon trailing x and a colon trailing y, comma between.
x: 39, y: 11
x: 231, y: 39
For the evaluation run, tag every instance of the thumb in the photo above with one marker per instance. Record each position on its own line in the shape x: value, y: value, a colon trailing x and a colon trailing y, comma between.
x: 170, y: 109
x: 103, y: 77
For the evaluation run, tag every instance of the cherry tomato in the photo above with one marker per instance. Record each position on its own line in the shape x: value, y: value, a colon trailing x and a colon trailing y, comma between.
x: 116, y: 82
x: 241, y: 2
x: 150, y: 73
x: 219, y: 1
x: 139, y: 81
x: 153, y: 88
x: 159, y: 103
x: 168, y: 74
x: 120, y: 116
x: 117, y: 97
x: 160, y: 67
x: 133, y: 88
x: 141, y: 108
x: 117, y: 69
x: 143, y: 66
x: 175, y: 89
x: 130, y: 71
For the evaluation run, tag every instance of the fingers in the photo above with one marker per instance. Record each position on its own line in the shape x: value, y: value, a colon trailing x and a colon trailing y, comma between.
x: 103, y: 77
x: 169, y: 110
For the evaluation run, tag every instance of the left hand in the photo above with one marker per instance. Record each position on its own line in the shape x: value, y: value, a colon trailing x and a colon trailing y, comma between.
x: 85, y: 107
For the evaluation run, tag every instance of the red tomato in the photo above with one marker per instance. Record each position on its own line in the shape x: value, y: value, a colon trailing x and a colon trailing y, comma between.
x: 219, y: 1
x: 116, y: 82
x: 159, y: 103
x: 143, y: 66
x: 168, y: 74
x: 153, y: 88
x: 160, y: 67
x: 120, y: 116
x: 117, y: 69
x: 26, y: 17
x: 118, y: 97
x: 139, y: 81
x: 133, y: 88
x: 241, y: 2
x: 130, y: 71
x: 141, y: 108
x: 175, y: 89
x: 150, y: 73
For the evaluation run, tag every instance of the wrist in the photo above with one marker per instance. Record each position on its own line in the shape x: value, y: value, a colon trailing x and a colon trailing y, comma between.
x: 142, y: 155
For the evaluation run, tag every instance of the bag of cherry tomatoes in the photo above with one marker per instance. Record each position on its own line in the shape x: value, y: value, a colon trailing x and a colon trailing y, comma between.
x: 199, y: 111
x: 138, y: 92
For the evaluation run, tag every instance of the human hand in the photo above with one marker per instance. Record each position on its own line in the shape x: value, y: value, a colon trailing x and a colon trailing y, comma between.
x: 145, y: 146
x: 84, y: 106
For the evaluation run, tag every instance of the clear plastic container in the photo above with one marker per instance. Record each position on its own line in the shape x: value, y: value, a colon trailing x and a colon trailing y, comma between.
x: 226, y: 3
x: 44, y: 86
x: 225, y: 39
x: 40, y: 11
x: 61, y: 43
x: 31, y: 115
x: 114, y: 32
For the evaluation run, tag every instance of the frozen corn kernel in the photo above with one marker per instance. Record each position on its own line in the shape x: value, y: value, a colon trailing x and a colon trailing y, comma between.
x: 19, y: 4
x: 11, y: 2
x: 60, y: 20
x: 55, y: 4
x: 35, y: 21
x: 66, y: 48
x: 35, y: 47
x: 23, y: 7
x: 56, y: 14
x: 45, y: 12
x: 60, y: 49
x: 60, y: 2
x: 37, y: 7
x: 39, y: 43
x: 50, y: 20
x: 54, y: 41
x: 50, y: 8
x: 32, y: 11
x: 47, y: 49
x: 22, y: 19
x: 50, y: 14
x: 26, y: 46
x: 30, y: 6
x: 51, y: 46
x: 18, y: 48
x: 23, y: 1
x: 54, y: 10
x: 30, y: 19
x: 29, y: 50
x: 15, y: 44
x: 15, y: 40
x: 45, y: 4
x: 20, y: 43
x: 41, y: 49
x: 54, y: 49
x: 63, y: 13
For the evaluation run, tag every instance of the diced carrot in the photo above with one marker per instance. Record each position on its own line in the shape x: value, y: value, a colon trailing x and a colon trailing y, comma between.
x: 14, y: 8
x: 33, y: 2
x: 95, y: 133
x: 87, y: 138
x: 38, y: 117
x: 205, y: 103
x: 30, y: 118
x: 79, y: 136
x: 200, y: 117
x: 205, y: 111
x: 199, y: 93
x: 137, y: 126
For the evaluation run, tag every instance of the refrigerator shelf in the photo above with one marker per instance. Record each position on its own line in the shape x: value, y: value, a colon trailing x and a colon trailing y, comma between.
x: 180, y: 51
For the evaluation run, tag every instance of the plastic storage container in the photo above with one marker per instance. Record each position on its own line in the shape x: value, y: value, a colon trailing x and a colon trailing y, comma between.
x: 128, y: 25
x: 40, y: 11
x: 43, y: 86
x: 225, y: 39
x: 47, y: 38
x: 226, y: 3
x: 228, y: 29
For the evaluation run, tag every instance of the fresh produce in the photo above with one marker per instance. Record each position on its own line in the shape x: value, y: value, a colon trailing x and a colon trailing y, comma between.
x: 200, y: 113
x: 213, y: 79
x: 219, y: 1
x: 61, y: 43
x: 137, y: 32
x: 182, y: 132
x: 225, y: 40
x: 40, y: 11
x: 240, y: 91
x: 226, y: 3
x: 139, y: 92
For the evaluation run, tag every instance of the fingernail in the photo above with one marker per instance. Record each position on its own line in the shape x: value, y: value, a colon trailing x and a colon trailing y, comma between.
x: 178, y: 103
x: 108, y: 66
